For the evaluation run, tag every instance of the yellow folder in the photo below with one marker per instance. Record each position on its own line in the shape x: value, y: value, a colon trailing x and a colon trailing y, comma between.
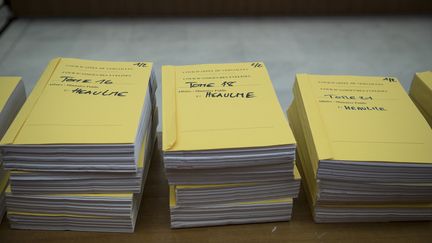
x: 221, y: 106
x: 421, y: 94
x: 78, y: 101
x: 7, y: 86
x: 357, y: 118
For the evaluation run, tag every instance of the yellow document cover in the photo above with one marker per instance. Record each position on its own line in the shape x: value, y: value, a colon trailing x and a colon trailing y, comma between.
x: 421, y: 93
x: 78, y: 101
x: 426, y: 79
x: 356, y: 118
x: 7, y: 86
x: 221, y: 106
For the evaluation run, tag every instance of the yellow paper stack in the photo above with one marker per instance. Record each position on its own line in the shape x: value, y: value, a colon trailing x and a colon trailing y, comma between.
x: 364, y: 149
x: 12, y: 96
x: 79, y: 149
x: 227, y: 147
x: 421, y: 94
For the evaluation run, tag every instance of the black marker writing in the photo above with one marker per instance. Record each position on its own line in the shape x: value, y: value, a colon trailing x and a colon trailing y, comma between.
x: 70, y: 79
x: 363, y: 108
x: 227, y: 83
x: 140, y: 64
x: 106, y: 92
x: 75, y: 80
x: 104, y: 81
x: 196, y: 85
x: 246, y: 95
x: 348, y: 97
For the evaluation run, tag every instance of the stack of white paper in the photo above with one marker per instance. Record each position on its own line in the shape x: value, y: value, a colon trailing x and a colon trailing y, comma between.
x: 248, y: 211
x: 192, y: 195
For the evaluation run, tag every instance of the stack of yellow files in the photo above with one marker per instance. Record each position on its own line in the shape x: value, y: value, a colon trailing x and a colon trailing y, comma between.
x: 228, y: 150
x: 79, y: 149
x: 421, y: 94
x: 364, y: 149
x: 12, y: 96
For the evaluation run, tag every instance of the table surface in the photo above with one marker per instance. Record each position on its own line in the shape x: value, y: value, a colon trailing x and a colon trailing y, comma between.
x: 153, y: 225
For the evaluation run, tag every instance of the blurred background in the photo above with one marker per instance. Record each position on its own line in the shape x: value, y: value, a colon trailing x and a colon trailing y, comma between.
x: 357, y: 37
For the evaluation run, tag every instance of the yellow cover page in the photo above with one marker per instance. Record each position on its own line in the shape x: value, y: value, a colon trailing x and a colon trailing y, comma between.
x: 421, y: 93
x: 356, y: 118
x: 426, y: 78
x: 78, y: 101
x: 7, y: 86
x: 221, y: 106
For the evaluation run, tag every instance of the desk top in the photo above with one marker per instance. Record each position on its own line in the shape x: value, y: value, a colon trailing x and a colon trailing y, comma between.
x: 153, y: 225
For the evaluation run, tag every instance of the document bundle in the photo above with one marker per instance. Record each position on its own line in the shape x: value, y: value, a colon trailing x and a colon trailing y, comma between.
x: 228, y: 150
x: 80, y: 148
x: 363, y: 148
x: 12, y: 96
x: 421, y: 94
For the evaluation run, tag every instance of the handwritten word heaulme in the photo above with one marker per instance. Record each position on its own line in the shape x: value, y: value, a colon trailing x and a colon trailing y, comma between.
x: 106, y: 92
x: 246, y: 95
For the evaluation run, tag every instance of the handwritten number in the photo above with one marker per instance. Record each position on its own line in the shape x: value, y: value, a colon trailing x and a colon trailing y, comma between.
x: 140, y: 64
x: 391, y: 80
x: 256, y: 65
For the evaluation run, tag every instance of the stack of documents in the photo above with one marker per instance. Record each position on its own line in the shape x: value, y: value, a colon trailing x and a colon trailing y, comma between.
x: 191, y: 195
x: 79, y: 149
x: 12, y: 96
x: 421, y: 94
x: 227, y: 147
x: 364, y: 150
